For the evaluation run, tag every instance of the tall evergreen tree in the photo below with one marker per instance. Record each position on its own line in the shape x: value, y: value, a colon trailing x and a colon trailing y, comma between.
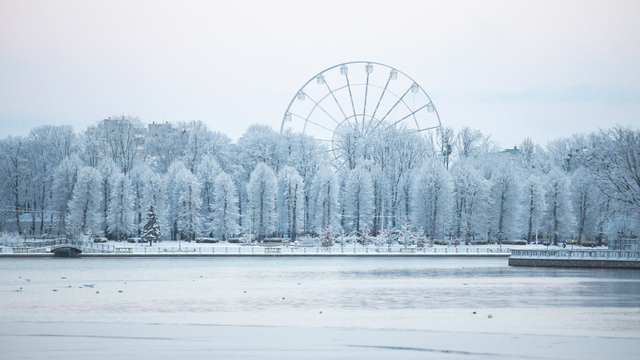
x: 152, y: 231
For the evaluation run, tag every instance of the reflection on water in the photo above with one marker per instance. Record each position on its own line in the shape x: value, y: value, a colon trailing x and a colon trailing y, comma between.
x: 161, y: 285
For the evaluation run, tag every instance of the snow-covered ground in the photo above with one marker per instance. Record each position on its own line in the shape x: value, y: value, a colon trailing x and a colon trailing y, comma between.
x: 223, y: 244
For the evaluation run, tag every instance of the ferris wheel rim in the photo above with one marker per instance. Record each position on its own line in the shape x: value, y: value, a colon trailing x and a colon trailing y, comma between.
x: 359, y: 62
x: 402, y: 100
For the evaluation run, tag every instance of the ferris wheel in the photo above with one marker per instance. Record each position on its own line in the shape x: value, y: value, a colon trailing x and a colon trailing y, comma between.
x: 359, y: 96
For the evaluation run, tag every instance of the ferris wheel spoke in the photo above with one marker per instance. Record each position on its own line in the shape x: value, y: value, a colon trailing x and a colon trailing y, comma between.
x: 373, y: 116
x: 334, y: 98
x: 321, y: 108
x: 411, y: 114
x: 316, y: 124
x: 393, y: 107
x: 364, y: 110
x: 425, y: 129
x: 351, y: 97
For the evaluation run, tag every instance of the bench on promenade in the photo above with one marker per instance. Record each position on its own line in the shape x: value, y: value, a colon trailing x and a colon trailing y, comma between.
x: 272, y: 250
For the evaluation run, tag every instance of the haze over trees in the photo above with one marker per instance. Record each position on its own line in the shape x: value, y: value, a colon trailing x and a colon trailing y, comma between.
x: 121, y: 178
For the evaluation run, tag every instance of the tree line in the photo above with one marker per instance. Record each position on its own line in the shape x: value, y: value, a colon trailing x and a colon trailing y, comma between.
x: 120, y: 178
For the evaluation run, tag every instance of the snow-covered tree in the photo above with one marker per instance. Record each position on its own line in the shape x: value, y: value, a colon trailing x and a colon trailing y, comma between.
x: 207, y: 171
x: 471, y: 143
x: 406, y: 236
x: 446, y: 142
x: 155, y: 194
x: 325, y: 190
x: 173, y: 188
x: 307, y: 156
x: 471, y: 201
x: 623, y: 224
x: 189, y: 201
x: 13, y: 166
x: 139, y: 176
x: 64, y: 180
x: 49, y: 146
x: 533, y: 205
x: 107, y: 169
x: 152, y: 231
x: 586, y: 198
x: 84, y: 207
x: 558, y: 217
x: 195, y: 141
x: 359, y: 198
x: 118, y: 138
x: 120, y: 214
x: 261, y: 191
x: 431, y: 200
x: 290, y: 201
x: 224, y: 207
x: 505, y: 202
x: 613, y: 157
x: 260, y: 144
x: 382, y: 204
x: 349, y: 146
x: 403, y: 202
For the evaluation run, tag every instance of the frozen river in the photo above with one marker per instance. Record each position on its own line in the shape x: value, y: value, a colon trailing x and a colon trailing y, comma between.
x: 314, y: 308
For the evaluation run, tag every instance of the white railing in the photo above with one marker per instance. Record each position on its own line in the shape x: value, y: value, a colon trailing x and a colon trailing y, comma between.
x: 301, y: 250
x: 43, y: 244
x: 577, y: 254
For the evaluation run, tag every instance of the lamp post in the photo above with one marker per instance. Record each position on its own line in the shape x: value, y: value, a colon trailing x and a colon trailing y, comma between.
x: 250, y: 221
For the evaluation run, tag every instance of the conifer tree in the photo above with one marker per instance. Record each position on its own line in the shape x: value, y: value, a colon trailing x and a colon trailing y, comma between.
x: 152, y: 232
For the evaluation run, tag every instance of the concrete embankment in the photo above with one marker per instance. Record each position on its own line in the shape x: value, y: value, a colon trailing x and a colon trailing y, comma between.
x: 594, y: 258
x: 576, y: 263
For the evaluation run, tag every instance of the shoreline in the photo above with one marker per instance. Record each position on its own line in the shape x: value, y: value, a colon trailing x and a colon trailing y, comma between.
x: 161, y: 255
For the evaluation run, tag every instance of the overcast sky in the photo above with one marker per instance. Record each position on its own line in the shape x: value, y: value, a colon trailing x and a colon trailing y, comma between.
x: 511, y: 69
